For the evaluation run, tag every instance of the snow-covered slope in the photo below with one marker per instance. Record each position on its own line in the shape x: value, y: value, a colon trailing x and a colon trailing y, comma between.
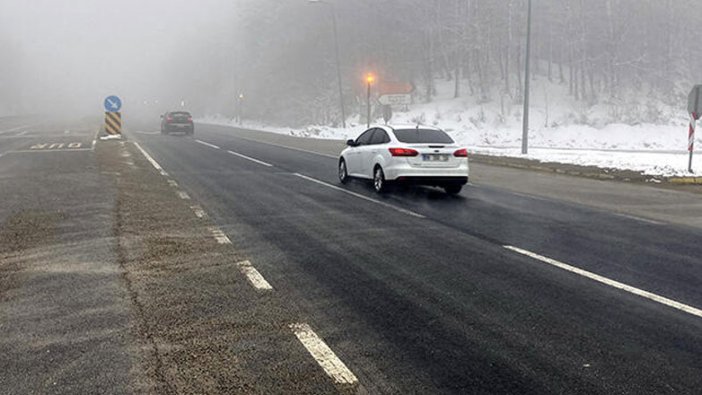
x: 561, y: 129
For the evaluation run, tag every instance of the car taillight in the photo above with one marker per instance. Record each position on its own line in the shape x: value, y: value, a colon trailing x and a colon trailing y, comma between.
x: 190, y: 119
x: 169, y: 119
x: 403, y: 152
x: 461, y: 153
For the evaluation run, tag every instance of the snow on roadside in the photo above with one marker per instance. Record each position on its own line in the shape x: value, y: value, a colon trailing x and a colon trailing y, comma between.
x: 559, y: 130
x: 649, y: 149
x: 649, y: 163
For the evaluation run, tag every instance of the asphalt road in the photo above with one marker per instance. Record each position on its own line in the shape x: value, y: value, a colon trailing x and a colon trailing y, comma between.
x: 417, y: 293
x: 64, y: 313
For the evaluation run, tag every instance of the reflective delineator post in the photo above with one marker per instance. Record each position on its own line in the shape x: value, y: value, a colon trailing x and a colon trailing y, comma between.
x: 691, y: 138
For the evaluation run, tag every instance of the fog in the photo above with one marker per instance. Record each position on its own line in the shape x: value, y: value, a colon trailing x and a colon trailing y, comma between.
x: 66, y: 56
x: 631, y: 56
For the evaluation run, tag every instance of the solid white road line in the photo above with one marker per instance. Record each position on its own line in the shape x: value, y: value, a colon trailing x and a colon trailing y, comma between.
x: 253, y: 275
x: 183, y: 195
x: 141, y: 132
x: 358, y: 195
x: 151, y: 160
x: 46, y: 151
x: 207, y: 144
x: 640, y: 219
x: 612, y: 283
x: 16, y: 128
x: 220, y: 236
x: 260, y: 162
x: 324, y: 355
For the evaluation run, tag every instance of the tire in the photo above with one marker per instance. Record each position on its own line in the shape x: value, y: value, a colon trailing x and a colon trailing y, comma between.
x: 379, y: 183
x: 343, y: 172
x: 453, y: 189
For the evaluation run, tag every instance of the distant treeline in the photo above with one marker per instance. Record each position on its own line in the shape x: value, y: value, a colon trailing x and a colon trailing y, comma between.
x: 281, y: 53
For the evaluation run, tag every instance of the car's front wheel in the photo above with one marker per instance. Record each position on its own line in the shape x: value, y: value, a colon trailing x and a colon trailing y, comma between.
x: 379, y: 182
x: 453, y: 189
x: 343, y: 172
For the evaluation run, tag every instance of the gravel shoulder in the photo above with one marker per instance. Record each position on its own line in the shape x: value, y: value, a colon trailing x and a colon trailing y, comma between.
x: 201, y: 326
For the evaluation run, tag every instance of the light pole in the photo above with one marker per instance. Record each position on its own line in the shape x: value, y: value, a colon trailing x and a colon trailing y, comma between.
x: 370, y: 78
x: 527, y: 78
x: 338, y: 63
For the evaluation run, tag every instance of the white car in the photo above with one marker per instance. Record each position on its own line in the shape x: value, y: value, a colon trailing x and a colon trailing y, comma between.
x: 413, y: 154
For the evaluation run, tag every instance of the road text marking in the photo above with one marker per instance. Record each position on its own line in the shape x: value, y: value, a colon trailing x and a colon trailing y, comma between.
x: 207, y: 144
x: 260, y: 162
x: 612, y: 283
x: 358, y: 195
x: 324, y: 355
x: 253, y: 275
x: 151, y: 160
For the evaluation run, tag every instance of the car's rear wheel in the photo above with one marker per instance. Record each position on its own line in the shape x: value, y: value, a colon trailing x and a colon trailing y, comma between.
x: 453, y: 189
x: 379, y: 182
x: 343, y: 172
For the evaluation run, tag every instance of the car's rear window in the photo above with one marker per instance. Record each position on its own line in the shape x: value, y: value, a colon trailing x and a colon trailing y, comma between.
x: 180, y: 114
x: 422, y: 136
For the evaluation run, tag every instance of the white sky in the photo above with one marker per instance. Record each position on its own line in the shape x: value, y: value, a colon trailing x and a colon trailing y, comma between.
x: 75, y: 52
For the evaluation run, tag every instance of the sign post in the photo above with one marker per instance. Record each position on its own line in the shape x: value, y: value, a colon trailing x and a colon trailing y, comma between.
x: 694, y: 107
x: 113, y: 118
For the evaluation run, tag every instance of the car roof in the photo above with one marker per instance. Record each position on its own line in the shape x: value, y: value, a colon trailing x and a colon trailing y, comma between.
x: 393, y: 127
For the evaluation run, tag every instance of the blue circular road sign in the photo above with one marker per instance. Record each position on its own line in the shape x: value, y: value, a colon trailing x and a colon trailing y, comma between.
x: 113, y: 104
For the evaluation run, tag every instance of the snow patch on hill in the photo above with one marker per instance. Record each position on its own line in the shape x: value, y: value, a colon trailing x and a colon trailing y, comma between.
x: 561, y: 130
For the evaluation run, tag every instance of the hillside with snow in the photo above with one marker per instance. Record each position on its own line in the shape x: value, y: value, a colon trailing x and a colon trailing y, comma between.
x: 561, y: 129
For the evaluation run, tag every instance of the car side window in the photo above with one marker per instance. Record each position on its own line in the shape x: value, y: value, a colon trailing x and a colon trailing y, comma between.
x: 380, y: 137
x: 365, y: 138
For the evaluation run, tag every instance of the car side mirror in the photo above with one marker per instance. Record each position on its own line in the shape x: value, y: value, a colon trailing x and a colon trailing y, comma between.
x: 351, y: 143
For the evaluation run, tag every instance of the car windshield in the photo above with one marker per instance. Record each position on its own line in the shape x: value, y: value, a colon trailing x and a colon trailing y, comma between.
x: 422, y: 136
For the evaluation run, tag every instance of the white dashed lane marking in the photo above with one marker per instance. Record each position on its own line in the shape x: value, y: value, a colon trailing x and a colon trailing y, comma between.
x: 612, y: 283
x: 173, y: 183
x: 260, y: 162
x: 183, y: 195
x: 358, y: 195
x: 253, y: 275
x: 220, y: 236
x: 199, y: 212
x: 324, y: 355
x: 207, y: 144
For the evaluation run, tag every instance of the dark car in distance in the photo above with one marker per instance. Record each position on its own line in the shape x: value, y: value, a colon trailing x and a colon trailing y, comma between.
x: 177, y: 122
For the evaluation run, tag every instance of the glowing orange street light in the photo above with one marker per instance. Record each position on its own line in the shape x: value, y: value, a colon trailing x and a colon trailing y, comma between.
x: 370, y: 79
